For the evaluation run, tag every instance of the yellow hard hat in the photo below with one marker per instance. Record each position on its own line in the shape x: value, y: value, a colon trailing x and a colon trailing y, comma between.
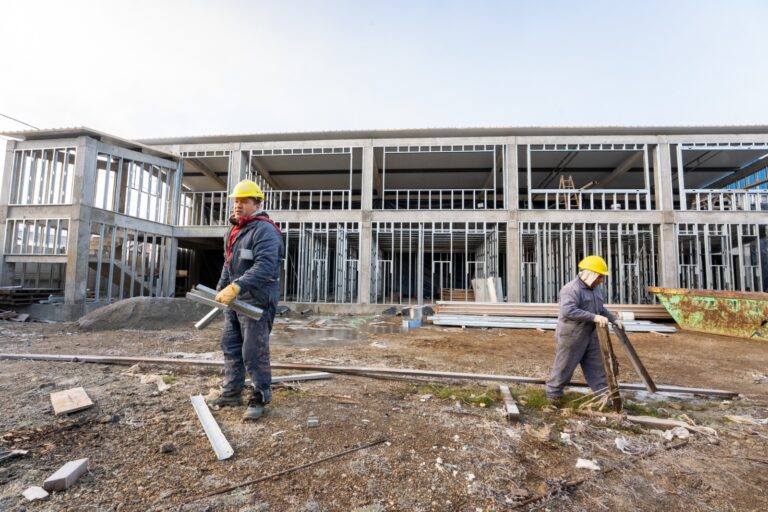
x: 247, y: 188
x: 595, y: 264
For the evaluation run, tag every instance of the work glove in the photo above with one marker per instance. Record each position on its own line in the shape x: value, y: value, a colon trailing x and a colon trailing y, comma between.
x: 228, y: 294
x: 601, y: 320
x: 619, y: 324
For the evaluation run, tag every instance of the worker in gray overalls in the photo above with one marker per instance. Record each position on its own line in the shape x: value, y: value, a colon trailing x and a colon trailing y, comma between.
x: 253, y: 254
x: 581, y: 308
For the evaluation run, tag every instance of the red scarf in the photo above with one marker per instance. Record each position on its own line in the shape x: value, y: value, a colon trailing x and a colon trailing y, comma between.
x: 239, y: 224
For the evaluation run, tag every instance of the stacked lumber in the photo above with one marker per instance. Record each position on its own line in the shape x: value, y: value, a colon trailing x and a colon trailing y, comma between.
x: 521, y: 309
x: 449, y: 294
x: 21, y: 296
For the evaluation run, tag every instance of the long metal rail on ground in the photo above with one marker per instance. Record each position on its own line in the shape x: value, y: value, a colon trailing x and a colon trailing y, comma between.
x: 352, y: 370
x: 641, y: 311
x: 533, y: 323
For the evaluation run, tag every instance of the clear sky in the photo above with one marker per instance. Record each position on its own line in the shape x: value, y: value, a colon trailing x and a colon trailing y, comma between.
x: 172, y: 68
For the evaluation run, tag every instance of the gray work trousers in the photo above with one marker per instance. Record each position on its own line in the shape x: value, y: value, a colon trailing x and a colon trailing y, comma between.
x: 572, y: 352
x: 245, y: 343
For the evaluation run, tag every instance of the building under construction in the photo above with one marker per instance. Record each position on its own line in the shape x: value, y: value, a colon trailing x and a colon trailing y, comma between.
x: 394, y: 217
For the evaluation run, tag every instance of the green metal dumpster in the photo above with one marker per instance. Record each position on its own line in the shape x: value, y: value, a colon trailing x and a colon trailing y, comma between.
x: 739, y: 314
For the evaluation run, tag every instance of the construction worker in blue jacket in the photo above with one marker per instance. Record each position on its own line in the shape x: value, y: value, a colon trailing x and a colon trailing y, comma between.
x: 581, y: 309
x: 253, y: 249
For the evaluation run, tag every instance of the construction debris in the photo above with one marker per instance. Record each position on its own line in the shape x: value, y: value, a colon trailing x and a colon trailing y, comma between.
x: 13, y: 316
x: 510, y: 407
x: 66, y: 475
x: 70, y: 400
x: 354, y: 370
x: 35, y: 493
x: 219, y: 443
x: 312, y: 421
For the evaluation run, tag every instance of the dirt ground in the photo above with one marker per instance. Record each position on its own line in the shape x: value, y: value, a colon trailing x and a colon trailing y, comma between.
x: 448, y: 445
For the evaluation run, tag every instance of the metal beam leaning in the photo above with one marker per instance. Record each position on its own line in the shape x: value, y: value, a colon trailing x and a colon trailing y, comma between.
x: 512, y: 412
x: 350, y: 370
x: 634, y: 359
x: 219, y: 443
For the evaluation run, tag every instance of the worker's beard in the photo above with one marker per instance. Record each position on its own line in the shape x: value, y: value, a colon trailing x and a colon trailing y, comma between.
x: 589, y: 277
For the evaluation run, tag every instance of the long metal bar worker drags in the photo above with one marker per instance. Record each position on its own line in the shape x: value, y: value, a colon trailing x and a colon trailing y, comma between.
x: 205, y: 295
x: 611, y: 366
x: 207, y: 319
x: 220, y: 444
x: 634, y: 359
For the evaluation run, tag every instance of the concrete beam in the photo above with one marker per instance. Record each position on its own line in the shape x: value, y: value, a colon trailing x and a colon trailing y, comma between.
x: 130, y: 154
x: 621, y: 169
x: 608, y: 216
x: 439, y: 216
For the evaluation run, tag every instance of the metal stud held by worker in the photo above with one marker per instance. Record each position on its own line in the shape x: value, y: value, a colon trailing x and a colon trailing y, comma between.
x: 595, y: 264
x: 247, y: 188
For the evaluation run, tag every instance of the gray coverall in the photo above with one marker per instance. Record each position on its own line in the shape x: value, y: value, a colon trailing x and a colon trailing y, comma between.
x: 576, y: 337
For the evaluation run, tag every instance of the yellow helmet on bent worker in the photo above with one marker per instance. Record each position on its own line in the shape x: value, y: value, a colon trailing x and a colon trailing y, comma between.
x: 595, y: 264
x: 247, y: 188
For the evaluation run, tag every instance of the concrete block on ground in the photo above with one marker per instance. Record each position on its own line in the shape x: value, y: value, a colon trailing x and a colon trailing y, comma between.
x: 66, y: 475
x: 35, y: 493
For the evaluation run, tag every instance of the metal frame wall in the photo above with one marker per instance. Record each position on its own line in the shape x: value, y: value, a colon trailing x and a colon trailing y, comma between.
x: 124, y: 263
x: 418, y: 262
x: 447, y: 198
x: 321, y: 263
x: 723, y: 256
x: 550, y: 252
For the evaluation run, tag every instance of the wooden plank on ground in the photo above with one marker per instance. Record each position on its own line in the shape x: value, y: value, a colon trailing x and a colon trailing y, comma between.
x: 70, y: 400
x: 510, y: 406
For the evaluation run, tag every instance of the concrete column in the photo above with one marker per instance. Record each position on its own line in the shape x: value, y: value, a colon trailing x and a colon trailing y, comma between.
x: 366, y: 184
x: 366, y: 230
x: 513, y: 245
x: 364, y: 261
x: 171, y: 250
x: 5, y: 188
x: 667, y: 247
x: 79, y: 236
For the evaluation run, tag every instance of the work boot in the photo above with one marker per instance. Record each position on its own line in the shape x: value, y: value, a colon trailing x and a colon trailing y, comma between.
x: 255, y: 407
x: 556, y: 401
x: 225, y: 400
